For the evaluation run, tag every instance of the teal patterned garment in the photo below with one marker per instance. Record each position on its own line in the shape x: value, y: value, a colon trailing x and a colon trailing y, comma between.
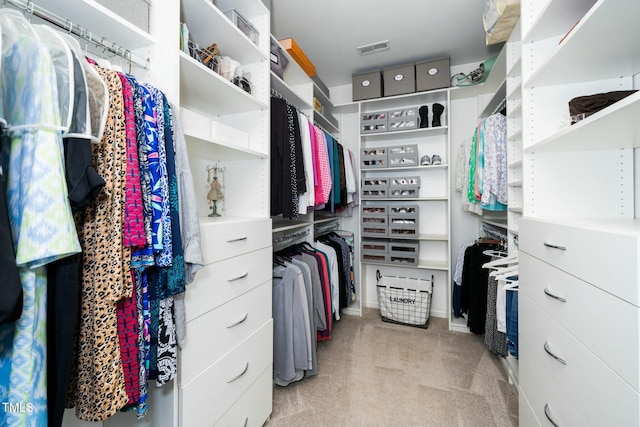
x: 41, y: 221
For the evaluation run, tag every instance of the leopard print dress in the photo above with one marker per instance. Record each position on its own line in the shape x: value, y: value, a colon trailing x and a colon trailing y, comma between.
x: 100, y: 390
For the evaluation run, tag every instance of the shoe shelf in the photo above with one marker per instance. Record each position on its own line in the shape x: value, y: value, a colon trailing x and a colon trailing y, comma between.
x: 409, y: 168
x: 432, y: 233
x: 423, y: 264
x: 406, y: 134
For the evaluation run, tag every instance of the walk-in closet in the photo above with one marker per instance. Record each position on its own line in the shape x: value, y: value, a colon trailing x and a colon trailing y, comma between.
x: 276, y: 213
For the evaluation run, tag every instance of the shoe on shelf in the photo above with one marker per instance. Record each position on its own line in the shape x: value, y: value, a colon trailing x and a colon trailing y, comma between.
x: 425, y: 160
x: 424, y: 116
x: 436, y: 160
x: 438, y: 109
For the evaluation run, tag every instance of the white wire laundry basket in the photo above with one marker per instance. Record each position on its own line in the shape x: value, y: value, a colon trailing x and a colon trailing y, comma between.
x: 404, y: 300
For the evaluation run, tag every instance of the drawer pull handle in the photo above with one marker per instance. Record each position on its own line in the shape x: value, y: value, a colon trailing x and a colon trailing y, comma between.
x: 552, y: 246
x: 233, y: 279
x: 244, y: 371
x: 547, y: 292
x: 237, y: 239
x: 546, y: 414
x: 559, y: 359
x: 239, y: 321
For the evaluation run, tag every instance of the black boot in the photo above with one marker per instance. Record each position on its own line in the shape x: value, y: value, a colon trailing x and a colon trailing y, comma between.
x: 437, y: 113
x: 424, y: 116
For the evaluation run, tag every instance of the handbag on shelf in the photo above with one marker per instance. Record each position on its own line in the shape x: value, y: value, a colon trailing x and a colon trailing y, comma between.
x: 582, y: 107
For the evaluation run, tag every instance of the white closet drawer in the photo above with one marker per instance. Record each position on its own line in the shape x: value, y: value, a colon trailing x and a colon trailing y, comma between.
x: 224, y: 239
x: 205, y: 399
x: 607, y: 260
x: 222, y: 281
x: 526, y: 417
x: 599, y: 395
x: 229, y: 324
x: 606, y: 325
x: 254, y: 407
x: 542, y: 391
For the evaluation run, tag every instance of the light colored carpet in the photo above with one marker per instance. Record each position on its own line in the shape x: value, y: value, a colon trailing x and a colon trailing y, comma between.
x: 374, y: 373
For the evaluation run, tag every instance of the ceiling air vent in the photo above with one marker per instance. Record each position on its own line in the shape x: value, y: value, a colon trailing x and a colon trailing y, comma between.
x: 373, y: 47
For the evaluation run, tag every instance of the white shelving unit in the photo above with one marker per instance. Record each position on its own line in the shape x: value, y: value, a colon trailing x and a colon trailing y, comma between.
x: 231, y: 383
x: 567, y: 235
x: 514, y: 137
x: 433, y: 199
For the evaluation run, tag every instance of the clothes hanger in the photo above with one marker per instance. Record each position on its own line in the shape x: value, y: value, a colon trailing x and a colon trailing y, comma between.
x: 97, y: 92
x: 504, y: 270
x: 509, y: 259
x: 505, y: 275
x: 63, y: 62
x: 511, y: 286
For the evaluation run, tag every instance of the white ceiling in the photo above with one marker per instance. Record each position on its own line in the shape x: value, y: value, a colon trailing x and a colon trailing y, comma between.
x: 330, y: 31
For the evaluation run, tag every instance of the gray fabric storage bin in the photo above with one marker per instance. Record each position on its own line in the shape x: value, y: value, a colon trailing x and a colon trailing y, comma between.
x: 377, y: 258
x: 373, y: 158
x: 403, y: 221
x: 434, y: 74
x: 404, y: 187
x: 374, y: 122
x: 403, y: 248
x: 375, y: 188
x: 374, y: 250
x: 403, y: 252
x: 402, y: 156
x: 399, y: 80
x: 403, y: 119
x: 366, y: 85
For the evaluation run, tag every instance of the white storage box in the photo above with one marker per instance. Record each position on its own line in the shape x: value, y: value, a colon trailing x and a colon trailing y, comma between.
x: 404, y: 300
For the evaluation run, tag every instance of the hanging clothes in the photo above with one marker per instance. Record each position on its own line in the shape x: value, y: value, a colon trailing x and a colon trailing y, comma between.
x: 486, y: 182
x: 287, y: 165
x: 474, y: 286
x: 41, y: 222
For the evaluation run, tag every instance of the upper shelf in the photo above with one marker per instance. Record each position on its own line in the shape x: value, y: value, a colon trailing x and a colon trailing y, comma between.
x: 207, y: 24
x: 407, y: 100
x: 594, y: 50
x: 406, y: 134
x: 101, y: 21
x: 612, y: 128
x: 288, y: 93
x: 204, y: 90
x: 557, y: 17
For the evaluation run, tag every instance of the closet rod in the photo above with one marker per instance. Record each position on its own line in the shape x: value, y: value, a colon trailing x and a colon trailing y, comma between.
x: 284, y: 241
x: 79, y: 31
x: 322, y: 229
x: 494, y: 231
